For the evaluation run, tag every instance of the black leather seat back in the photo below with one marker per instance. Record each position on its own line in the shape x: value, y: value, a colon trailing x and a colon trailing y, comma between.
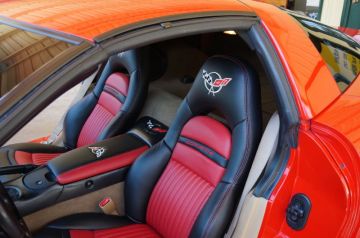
x: 121, y: 89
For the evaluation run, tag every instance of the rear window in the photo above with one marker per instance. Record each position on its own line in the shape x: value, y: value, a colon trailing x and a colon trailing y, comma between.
x: 22, y: 53
x: 340, y: 52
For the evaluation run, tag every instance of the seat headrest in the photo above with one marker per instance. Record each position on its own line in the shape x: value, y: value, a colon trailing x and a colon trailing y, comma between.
x: 127, y: 62
x: 226, y: 85
x: 132, y: 62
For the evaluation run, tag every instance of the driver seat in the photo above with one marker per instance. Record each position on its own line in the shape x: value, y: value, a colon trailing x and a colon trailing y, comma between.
x: 188, y: 184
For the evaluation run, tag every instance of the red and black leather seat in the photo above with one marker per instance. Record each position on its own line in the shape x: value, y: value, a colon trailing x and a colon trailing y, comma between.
x: 108, y: 110
x: 188, y: 184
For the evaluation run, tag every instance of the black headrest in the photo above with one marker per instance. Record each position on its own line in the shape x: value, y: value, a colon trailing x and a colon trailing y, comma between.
x: 226, y: 85
x: 132, y: 62
x: 127, y: 62
x: 223, y: 84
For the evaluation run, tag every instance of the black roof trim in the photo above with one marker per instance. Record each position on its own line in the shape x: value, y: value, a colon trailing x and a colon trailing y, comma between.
x: 167, y: 20
x: 62, y: 36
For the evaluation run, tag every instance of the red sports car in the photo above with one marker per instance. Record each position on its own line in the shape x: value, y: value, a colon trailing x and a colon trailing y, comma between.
x: 202, y: 118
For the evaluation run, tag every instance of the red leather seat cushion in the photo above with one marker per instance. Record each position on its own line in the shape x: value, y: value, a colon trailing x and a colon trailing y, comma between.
x: 22, y: 157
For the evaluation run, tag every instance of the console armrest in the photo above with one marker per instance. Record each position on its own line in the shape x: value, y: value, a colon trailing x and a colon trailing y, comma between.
x: 108, y: 155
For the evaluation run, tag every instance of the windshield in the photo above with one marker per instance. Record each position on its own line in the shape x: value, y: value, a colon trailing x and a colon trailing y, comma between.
x: 22, y: 53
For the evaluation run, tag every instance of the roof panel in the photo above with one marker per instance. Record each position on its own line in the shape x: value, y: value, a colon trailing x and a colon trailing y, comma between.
x: 88, y: 19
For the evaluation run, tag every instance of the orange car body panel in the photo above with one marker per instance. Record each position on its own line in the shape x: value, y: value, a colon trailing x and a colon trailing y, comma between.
x: 89, y: 19
x: 344, y: 115
x: 310, y: 171
x: 338, y: 127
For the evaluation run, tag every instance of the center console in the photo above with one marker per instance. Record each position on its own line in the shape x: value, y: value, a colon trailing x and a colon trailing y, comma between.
x: 82, y: 170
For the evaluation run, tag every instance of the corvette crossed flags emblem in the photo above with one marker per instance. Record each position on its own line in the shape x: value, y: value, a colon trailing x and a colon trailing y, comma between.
x: 98, y: 151
x: 214, y: 82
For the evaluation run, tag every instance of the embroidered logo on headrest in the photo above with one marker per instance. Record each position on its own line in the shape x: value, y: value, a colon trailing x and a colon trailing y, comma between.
x: 214, y: 82
x: 98, y: 151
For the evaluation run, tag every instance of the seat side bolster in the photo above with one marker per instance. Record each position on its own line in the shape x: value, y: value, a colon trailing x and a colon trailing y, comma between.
x: 75, y: 119
x: 135, y: 99
x: 217, y: 211
x: 138, y: 190
x: 89, y: 221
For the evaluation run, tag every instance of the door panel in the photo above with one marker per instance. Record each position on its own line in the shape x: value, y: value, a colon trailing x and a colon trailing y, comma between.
x: 312, y: 171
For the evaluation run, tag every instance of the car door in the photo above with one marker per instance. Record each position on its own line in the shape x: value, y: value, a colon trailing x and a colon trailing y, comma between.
x: 318, y: 194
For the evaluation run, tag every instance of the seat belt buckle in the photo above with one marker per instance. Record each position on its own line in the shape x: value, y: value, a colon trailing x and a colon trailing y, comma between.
x: 107, y: 205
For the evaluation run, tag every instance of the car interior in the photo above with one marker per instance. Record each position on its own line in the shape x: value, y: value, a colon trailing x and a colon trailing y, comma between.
x: 167, y: 142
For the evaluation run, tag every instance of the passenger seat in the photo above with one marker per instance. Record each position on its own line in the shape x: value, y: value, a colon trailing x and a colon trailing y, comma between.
x: 110, y: 109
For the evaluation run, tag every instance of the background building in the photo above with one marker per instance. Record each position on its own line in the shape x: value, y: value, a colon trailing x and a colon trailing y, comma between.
x: 341, y: 14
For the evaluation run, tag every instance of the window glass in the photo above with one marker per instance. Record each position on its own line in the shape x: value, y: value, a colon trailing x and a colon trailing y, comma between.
x: 340, y: 52
x: 22, y: 53
x: 43, y: 125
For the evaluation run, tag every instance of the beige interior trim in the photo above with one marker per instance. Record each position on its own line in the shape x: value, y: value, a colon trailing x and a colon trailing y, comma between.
x: 251, y: 217
x: 85, y: 203
x: 265, y: 151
